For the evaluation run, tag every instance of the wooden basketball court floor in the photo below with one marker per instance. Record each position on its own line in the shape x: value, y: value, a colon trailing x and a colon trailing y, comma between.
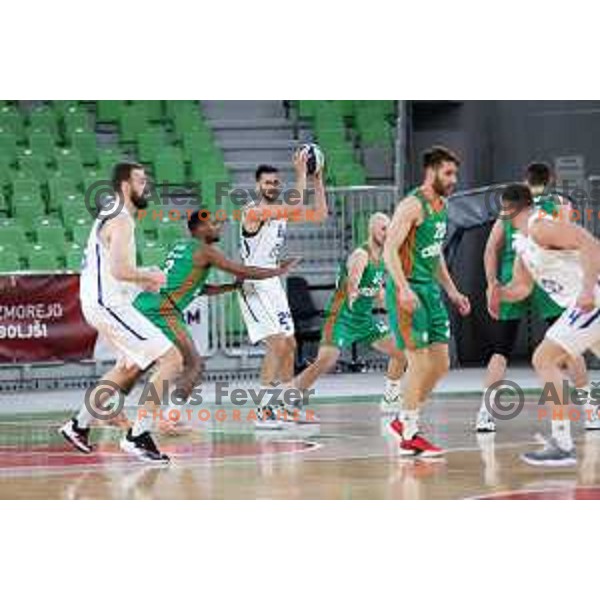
x: 349, y: 455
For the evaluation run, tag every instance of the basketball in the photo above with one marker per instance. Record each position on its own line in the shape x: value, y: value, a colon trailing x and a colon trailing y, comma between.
x: 316, y: 158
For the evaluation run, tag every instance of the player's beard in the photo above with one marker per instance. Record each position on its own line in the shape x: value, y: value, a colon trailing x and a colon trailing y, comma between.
x: 140, y: 201
x: 440, y: 189
x: 270, y: 197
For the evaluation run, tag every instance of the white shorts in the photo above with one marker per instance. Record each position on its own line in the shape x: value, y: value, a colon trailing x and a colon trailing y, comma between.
x: 134, y: 338
x: 265, y: 309
x: 577, y: 332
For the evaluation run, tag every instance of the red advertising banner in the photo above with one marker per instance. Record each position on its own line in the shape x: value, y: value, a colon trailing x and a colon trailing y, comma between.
x: 40, y: 319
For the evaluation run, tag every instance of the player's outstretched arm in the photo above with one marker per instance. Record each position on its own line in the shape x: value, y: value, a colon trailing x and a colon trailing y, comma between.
x: 117, y: 234
x: 296, y: 213
x: 356, y: 265
x: 224, y: 288
x: 406, y: 216
x: 569, y: 236
x: 217, y: 259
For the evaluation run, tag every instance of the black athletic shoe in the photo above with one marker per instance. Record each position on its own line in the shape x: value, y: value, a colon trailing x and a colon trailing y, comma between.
x: 143, y: 447
x: 77, y: 436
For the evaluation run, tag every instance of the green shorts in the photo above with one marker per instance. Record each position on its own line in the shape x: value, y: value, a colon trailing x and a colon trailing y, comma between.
x: 428, y: 324
x: 342, y: 329
x: 161, y: 312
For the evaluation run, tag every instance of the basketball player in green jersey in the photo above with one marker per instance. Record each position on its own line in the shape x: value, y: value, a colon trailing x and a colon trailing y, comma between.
x: 349, y: 314
x: 499, y: 258
x: 417, y: 269
x: 187, y: 266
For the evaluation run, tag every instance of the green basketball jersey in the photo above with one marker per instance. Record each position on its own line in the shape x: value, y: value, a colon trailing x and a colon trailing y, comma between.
x: 421, y: 251
x: 369, y: 286
x: 542, y: 305
x: 185, y: 280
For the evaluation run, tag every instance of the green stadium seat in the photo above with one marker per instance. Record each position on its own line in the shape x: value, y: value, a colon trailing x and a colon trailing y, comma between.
x: 73, y: 257
x: 152, y: 108
x: 80, y: 233
x: 33, y: 166
x: 132, y: 122
x: 108, y: 157
x: 109, y: 111
x: 61, y: 107
x: 12, y: 120
x: 51, y: 234
x: 72, y: 219
x: 4, y: 206
x: 7, y: 173
x: 59, y: 188
x: 13, y: 235
x: 72, y: 208
x: 42, y: 144
x: 307, y: 108
x: 169, y: 166
x: 8, y: 145
x: 43, y: 118
x: 42, y: 258
x: 28, y: 213
x: 149, y: 144
x: 9, y: 260
x: 85, y: 143
x: 75, y: 121
x: 25, y: 190
x: 68, y: 164
x: 173, y: 107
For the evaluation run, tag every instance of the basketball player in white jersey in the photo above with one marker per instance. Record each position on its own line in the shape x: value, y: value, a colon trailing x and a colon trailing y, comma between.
x: 110, y: 281
x: 264, y: 304
x: 563, y: 259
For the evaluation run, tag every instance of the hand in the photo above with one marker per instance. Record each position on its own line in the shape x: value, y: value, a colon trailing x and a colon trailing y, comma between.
x: 493, y: 300
x: 407, y: 300
x: 155, y: 279
x: 462, y: 303
x: 586, y: 301
x: 288, y: 264
x: 300, y: 159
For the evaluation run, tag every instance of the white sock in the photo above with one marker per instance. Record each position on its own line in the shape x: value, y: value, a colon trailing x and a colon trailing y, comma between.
x: 491, y: 399
x: 561, y: 432
x: 410, y: 420
x: 84, y: 418
x: 392, y: 388
x: 141, y: 425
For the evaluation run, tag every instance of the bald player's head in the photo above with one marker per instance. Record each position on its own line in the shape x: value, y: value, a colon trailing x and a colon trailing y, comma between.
x: 378, y: 224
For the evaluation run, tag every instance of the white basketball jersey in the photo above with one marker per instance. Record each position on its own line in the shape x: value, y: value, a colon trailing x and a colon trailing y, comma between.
x: 262, y: 249
x: 557, y: 272
x: 97, y: 284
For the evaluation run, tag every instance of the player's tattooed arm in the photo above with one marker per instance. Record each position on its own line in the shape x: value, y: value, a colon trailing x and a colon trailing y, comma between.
x: 213, y: 256
x: 569, y: 236
x: 356, y: 265
x: 408, y: 214
x: 117, y: 235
